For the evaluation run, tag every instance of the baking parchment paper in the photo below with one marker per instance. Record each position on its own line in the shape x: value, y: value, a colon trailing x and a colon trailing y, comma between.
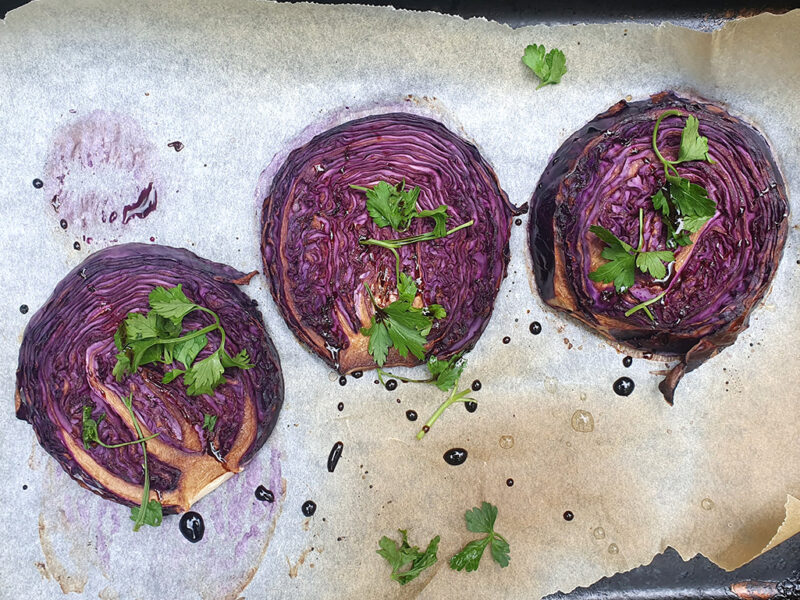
x: 91, y: 93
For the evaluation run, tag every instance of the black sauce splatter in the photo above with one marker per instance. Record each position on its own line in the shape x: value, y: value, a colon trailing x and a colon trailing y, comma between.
x: 309, y: 508
x: 455, y: 456
x: 38, y: 183
x: 509, y: 482
x: 627, y: 361
x: 340, y: 406
x: 63, y: 223
x: 334, y: 456
x: 342, y: 380
x: 536, y: 328
x: 506, y: 340
x: 471, y: 406
x: 176, y: 145
x: 568, y: 516
x: 411, y: 415
x: 624, y: 386
x: 357, y: 374
x: 476, y: 385
x: 264, y: 494
x: 77, y: 245
x: 192, y: 526
x: 23, y: 308
x: 391, y: 385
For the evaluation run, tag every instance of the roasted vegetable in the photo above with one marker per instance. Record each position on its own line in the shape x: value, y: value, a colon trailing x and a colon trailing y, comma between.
x: 318, y: 238
x: 67, y: 390
x: 608, y: 174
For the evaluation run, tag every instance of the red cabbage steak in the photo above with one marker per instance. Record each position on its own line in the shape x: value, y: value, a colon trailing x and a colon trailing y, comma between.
x: 66, y: 362
x: 604, y: 174
x: 312, y: 223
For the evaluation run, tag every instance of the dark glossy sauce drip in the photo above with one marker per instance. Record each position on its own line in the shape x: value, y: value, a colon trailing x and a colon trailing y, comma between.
x: 340, y: 406
x: 517, y: 221
x: 411, y: 415
x: 536, y: 328
x: 471, y: 406
x: 77, y: 245
x: 455, y: 456
x: 357, y: 374
x: 38, y: 184
x: 334, y: 456
x: 506, y: 340
x: 176, y: 145
x: 264, y: 494
x: 24, y: 487
x: 391, y: 385
x: 23, y: 308
x: 627, y: 361
x: 342, y: 380
x: 192, y: 526
x: 476, y: 385
x: 309, y: 508
x: 624, y: 386
x: 568, y: 516
x: 509, y: 482
x: 63, y: 223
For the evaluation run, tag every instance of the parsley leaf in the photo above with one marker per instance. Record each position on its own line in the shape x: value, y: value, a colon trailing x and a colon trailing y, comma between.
x: 156, y: 337
x: 549, y: 67
x: 403, y: 555
x: 690, y: 199
x: 152, y: 514
x: 209, y: 422
x: 446, y: 372
x: 399, y: 325
x: 693, y: 145
x: 90, y: 433
x: 394, y: 206
x: 481, y: 520
x: 624, y: 259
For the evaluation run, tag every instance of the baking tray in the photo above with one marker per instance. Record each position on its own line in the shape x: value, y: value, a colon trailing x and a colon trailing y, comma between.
x: 775, y: 574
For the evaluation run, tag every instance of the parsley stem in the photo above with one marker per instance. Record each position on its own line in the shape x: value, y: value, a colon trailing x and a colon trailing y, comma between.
x: 128, y: 402
x: 644, y: 306
x: 662, y: 116
x: 139, y: 441
x: 383, y: 373
x: 424, y: 237
x: 454, y: 397
x: 641, y: 230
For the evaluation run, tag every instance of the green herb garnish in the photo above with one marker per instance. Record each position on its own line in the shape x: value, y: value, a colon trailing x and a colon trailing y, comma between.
x: 209, y: 422
x: 91, y: 435
x: 623, y: 259
x: 549, y: 67
x: 394, y: 206
x: 400, y: 325
x: 404, y: 555
x: 155, y: 337
x: 481, y: 520
x: 685, y: 206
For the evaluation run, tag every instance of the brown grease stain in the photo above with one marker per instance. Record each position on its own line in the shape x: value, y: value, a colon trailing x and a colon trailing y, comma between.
x: 69, y: 581
x: 293, y: 568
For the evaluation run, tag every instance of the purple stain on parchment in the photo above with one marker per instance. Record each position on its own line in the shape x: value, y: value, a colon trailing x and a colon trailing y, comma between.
x: 99, y: 174
x: 238, y: 532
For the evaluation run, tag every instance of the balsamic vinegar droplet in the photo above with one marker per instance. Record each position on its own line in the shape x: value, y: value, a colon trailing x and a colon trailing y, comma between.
x: 342, y: 380
x: 38, y: 183
x: 627, y: 361
x: 506, y: 340
x: 471, y: 406
x: 192, y: 526
x: 357, y: 374
x: 63, y: 223
x: 568, y: 516
x: 509, y: 482
x: 536, y: 328
x: 455, y: 456
x: 411, y: 415
x: 309, y: 508
x: 23, y: 308
x: 391, y: 385
x: 340, y: 406
x: 77, y: 245
x: 624, y: 386
x: 264, y: 494
x: 334, y: 456
x: 476, y: 385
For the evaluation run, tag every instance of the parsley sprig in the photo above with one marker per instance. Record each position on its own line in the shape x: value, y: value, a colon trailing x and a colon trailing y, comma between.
x: 481, y: 520
x: 400, y: 325
x: 156, y: 337
x: 623, y: 259
x: 405, y: 555
x: 149, y: 512
x: 683, y: 206
x: 549, y: 67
